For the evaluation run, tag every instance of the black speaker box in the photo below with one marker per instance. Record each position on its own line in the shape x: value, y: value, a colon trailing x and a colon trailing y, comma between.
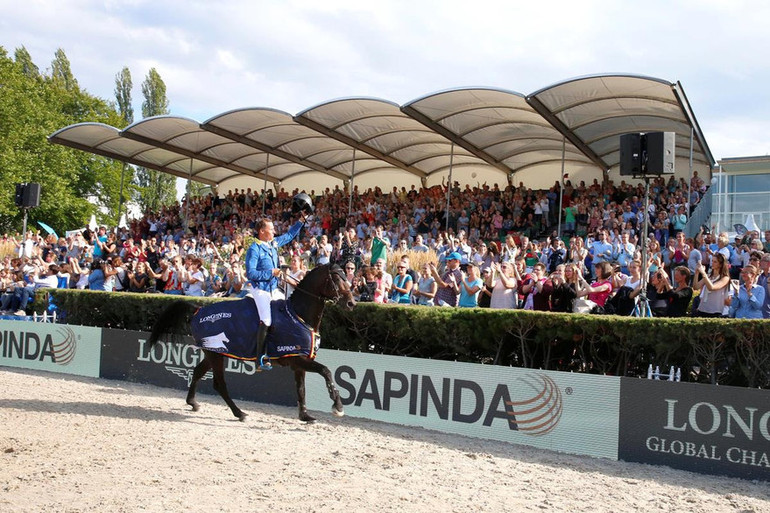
x: 661, y: 153
x: 631, y: 154
x: 19, y: 197
x: 31, y: 195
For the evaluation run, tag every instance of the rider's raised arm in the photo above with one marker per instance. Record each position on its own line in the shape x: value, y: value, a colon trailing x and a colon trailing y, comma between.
x: 289, y: 236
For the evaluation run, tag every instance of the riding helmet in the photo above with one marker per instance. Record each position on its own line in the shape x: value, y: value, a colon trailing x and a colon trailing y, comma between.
x: 302, y: 203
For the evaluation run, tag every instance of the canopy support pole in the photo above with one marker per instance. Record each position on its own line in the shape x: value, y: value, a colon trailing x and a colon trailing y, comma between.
x: 264, y: 186
x: 561, y: 182
x: 689, y: 183
x: 120, y: 200
x: 449, y: 185
x: 186, y: 203
x: 352, y: 178
x: 722, y: 205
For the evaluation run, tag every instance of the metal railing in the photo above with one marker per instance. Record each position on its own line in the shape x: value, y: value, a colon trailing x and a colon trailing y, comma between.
x: 701, y: 215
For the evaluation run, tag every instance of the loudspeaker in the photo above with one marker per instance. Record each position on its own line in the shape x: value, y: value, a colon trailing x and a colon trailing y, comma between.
x: 31, y: 195
x: 631, y: 154
x: 19, y: 197
x: 661, y: 153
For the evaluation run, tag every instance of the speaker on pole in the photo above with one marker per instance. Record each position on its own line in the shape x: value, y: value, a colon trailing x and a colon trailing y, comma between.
x: 31, y: 195
x: 661, y: 152
x: 19, y: 197
x: 631, y: 154
x: 651, y: 153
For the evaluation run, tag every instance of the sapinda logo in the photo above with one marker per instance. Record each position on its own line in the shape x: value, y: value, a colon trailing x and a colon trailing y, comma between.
x: 540, y: 413
x: 59, y: 348
x: 534, y: 408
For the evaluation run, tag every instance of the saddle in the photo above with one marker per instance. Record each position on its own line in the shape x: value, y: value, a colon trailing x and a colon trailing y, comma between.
x: 230, y: 328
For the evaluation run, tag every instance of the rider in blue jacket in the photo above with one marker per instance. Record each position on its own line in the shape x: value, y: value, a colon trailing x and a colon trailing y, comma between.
x: 263, y: 268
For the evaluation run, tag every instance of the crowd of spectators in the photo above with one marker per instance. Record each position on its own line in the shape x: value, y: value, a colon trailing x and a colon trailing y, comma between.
x: 493, y: 247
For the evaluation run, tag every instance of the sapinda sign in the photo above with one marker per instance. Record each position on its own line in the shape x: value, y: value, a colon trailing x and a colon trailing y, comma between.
x: 559, y: 411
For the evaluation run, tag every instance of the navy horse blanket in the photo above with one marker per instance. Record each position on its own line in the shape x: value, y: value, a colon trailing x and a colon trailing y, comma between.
x: 230, y: 328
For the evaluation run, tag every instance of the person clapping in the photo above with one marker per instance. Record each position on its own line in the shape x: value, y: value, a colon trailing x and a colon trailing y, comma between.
x: 747, y: 302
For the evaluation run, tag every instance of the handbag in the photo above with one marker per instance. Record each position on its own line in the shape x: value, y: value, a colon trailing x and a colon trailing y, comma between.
x: 583, y: 306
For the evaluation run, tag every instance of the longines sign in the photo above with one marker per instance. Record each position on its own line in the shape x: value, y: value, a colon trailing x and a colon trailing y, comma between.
x: 574, y: 413
x: 701, y: 428
x: 127, y: 356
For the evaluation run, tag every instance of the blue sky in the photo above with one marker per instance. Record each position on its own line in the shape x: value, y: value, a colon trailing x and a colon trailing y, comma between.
x: 291, y: 55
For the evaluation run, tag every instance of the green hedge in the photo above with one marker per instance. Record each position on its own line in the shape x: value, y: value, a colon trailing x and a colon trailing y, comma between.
x: 724, y: 351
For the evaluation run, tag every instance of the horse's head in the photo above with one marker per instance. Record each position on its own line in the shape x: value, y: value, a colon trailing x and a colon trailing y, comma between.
x: 343, y: 296
x: 328, y: 282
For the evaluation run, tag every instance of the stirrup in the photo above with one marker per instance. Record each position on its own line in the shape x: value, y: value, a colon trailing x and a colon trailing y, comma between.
x: 264, y: 363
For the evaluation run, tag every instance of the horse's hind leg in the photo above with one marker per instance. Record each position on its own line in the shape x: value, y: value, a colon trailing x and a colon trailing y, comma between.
x: 200, y: 370
x: 299, y: 379
x: 218, y: 368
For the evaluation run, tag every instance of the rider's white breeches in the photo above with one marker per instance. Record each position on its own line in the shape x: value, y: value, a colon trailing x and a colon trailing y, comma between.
x: 262, y: 299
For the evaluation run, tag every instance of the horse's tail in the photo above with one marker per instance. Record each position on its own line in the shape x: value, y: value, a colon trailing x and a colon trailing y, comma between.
x: 174, y: 319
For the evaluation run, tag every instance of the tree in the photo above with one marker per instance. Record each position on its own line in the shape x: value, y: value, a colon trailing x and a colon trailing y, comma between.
x: 123, y: 86
x: 61, y: 71
x: 74, y: 184
x: 24, y: 59
x: 154, y: 187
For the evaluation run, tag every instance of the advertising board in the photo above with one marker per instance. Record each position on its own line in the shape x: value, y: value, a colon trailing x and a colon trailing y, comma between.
x: 573, y: 413
x: 127, y: 356
x: 702, y: 428
x: 50, y: 347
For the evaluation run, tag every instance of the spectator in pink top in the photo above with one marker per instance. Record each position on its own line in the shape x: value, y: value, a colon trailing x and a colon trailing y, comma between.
x: 600, y: 290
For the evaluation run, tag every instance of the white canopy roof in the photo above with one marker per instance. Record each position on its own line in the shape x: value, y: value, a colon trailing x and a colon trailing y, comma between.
x: 483, y: 134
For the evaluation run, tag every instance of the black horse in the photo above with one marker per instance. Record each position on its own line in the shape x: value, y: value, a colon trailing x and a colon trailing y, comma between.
x: 301, y: 314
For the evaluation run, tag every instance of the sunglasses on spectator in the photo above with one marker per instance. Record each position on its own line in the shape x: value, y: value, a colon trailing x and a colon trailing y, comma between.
x: 402, y: 267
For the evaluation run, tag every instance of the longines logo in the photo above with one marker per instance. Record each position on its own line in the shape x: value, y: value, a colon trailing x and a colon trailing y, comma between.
x: 186, y: 374
x: 535, y: 409
x: 60, y: 348
x: 215, y: 317
x: 181, y: 359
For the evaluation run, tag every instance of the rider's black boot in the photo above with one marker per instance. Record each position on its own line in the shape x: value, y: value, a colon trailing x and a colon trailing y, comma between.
x: 264, y: 361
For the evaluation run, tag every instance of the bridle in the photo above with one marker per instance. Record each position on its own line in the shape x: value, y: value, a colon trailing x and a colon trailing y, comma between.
x: 337, y: 292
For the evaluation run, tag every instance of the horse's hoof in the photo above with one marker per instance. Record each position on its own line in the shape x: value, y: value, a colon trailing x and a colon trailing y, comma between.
x: 242, y: 417
x: 194, y: 406
x: 338, y: 413
x: 304, y: 417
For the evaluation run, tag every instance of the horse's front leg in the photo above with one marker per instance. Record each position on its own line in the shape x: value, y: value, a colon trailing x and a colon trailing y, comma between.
x: 313, y: 366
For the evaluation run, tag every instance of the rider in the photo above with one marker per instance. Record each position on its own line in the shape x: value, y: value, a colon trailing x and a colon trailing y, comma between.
x: 263, y: 268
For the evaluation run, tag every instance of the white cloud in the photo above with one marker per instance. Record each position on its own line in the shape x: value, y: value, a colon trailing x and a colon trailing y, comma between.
x: 739, y: 137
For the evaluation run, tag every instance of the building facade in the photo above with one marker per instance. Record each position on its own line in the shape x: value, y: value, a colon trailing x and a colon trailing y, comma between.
x: 740, y: 187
